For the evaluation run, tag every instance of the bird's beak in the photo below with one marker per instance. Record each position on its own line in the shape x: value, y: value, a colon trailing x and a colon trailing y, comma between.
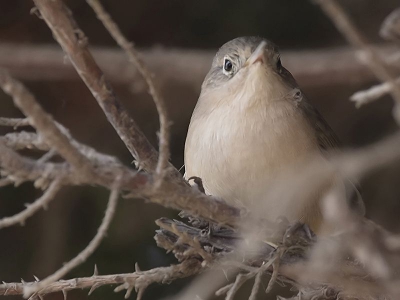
x: 257, y: 55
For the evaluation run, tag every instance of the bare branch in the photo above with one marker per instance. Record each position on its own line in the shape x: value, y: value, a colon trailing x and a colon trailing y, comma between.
x: 183, y: 237
x: 25, y: 140
x: 161, y: 275
x: 58, y: 138
x: 82, y: 256
x: 311, y: 68
x: 177, y: 196
x: 45, y: 124
x: 74, y: 43
x: 157, y: 275
x: 134, y: 57
x: 31, y: 140
x: 14, y: 122
x: 390, y: 28
x: 371, y: 94
x: 241, y: 278
x: 183, y: 197
x: 19, y: 169
x: 31, y: 209
x: 172, y: 192
x: 367, y: 53
x: 256, y: 286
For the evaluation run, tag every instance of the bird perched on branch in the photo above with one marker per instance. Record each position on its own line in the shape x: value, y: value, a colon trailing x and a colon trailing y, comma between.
x: 251, y: 124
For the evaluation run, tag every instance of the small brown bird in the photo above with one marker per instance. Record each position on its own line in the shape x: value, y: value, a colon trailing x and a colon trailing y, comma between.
x: 252, y: 122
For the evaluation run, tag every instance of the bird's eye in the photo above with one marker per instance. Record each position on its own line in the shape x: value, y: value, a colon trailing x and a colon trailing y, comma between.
x: 228, y: 66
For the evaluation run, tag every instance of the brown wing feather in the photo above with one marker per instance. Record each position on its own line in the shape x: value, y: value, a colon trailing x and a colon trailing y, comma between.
x: 327, y: 141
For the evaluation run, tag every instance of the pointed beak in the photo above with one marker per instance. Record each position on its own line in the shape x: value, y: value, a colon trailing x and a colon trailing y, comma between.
x: 257, y: 55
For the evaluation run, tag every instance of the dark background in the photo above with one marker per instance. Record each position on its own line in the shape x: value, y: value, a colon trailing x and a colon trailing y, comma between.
x: 54, y: 236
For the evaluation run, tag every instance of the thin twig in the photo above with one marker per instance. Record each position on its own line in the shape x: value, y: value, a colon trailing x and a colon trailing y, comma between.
x: 14, y: 122
x: 19, y: 169
x: 373, y: 93
x: 25, y: 140
x: 82, y: 256
x: 156, y: 275
x: 367, y: 53
x: 47, y: 156
x: 32, y: 140
x: 184, y: 238
x: 45, y: 124
x: 241, y: 278
x: 31, y: 209
x: 162, y: 275
x: 134, y: 57
x: 256, y: 286
x: 354, y: 163
x: 390, y: 28
x: 176, y: 196
x: 239, y: 281
x: 74, y: 43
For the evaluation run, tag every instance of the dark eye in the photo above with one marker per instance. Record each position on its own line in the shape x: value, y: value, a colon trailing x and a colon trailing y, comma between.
x: 228, y: 65
x: 279, y: 64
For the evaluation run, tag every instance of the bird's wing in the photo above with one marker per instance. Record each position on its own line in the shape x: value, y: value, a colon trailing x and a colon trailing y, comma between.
x: 326, y: 138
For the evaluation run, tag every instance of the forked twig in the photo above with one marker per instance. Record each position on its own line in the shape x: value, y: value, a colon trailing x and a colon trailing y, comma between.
x: 367, y: 53
x: 74, y: 43
x: 44, y: 123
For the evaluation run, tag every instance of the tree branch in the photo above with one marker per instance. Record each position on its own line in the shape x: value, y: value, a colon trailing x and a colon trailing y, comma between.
x: 390, y: 30
x: 134, y: 57
x: 14, y: 122
x: 367, y: 53
x: 139, y: 278
x: 74, y: 43
x: 19, y: 169
x: 37, y: 288
x: 373, y: 93
x: 174, y: 193
x: 44, y: 123
x: 31, y: 209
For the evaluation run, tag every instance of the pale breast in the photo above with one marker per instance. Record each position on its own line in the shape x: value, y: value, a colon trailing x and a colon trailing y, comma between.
x: 237, y: 160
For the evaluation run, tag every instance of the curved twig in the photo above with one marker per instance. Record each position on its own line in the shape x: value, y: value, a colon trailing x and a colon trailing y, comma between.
x: 31, y: 209
x: 74, y: 43
x: 134, y: 57
x: 158, y: 275
x: 85, y: 253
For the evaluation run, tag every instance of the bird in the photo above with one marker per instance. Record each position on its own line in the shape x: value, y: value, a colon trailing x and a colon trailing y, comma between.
x: 251, y: 123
